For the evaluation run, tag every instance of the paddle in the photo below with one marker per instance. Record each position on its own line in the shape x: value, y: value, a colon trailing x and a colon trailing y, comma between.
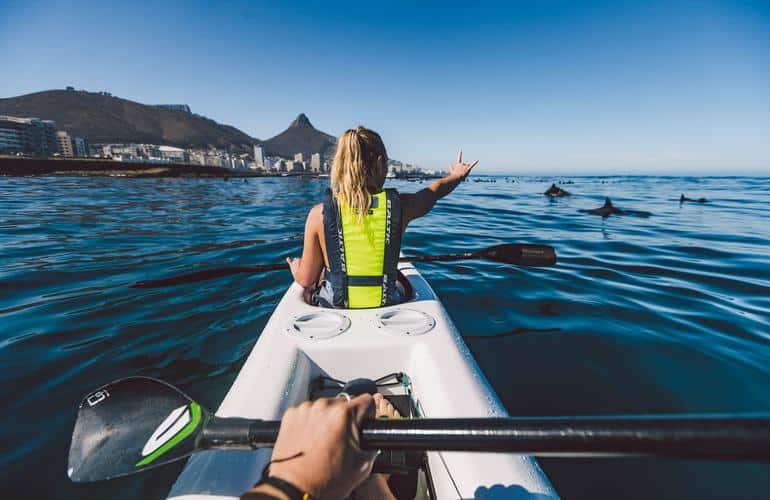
x: 516, y: 254
x: 138, y: 423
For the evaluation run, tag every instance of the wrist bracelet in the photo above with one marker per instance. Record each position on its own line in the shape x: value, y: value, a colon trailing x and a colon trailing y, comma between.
x: 286, y: 488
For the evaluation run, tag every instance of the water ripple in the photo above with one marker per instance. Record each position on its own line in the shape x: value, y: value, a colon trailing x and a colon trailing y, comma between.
x: 666, y: 313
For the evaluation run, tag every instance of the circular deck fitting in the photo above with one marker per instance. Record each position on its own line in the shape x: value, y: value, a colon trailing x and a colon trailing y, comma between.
x: 319, y: 325
x: 404, y: 322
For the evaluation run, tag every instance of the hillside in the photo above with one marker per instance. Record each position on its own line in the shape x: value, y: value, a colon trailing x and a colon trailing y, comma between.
x: 106, y: 119
x: 300, y: 137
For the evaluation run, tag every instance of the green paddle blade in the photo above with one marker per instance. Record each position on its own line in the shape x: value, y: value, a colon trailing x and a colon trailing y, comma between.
x: 130, y: 425
x: 521, y: 254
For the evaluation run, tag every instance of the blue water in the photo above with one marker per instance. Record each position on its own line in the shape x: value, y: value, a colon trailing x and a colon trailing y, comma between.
x: 661, y: 314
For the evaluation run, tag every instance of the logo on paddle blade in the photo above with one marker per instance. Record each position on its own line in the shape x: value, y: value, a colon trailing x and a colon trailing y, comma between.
x: 179, y: 424
x: 97, y: 397
x: 175, y: 422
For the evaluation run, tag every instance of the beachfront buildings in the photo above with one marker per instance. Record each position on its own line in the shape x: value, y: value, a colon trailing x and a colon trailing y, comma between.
x: 69, y: 146
x: 259, y: 156
x: 9, y: 139
x: 27, y: 135
x: 138, y: 153
x: 35, y: 137
x: 64, y: 144
x: 79, y: 147
x: 315, y: 163
x: 172, y: 154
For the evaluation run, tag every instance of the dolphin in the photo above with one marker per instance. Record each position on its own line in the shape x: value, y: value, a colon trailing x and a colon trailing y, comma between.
x: 684, y: 198
x: 554, y: 190
x: 608, y: 209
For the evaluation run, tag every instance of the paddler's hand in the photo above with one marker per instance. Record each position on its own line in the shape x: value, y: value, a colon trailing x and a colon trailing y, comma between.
x: 461, y: 170
x: 294, y: 263
x: 319, y: 446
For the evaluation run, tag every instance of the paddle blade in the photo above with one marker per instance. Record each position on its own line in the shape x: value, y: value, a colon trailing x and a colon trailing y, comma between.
x: 207, y: 274
x: 522, y: 254
x: 131, y: 425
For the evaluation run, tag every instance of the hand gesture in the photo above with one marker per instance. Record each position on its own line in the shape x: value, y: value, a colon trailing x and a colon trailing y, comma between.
x: 461, y: 170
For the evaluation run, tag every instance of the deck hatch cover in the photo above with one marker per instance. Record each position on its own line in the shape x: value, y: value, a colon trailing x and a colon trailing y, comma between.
x: 319, y: 325
x: 404, y: 322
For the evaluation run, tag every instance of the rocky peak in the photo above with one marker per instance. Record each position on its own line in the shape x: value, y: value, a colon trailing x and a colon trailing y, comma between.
x: 301, y: 121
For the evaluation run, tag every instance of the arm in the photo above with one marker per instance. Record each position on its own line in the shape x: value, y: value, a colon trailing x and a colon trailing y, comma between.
x: 318, y: 449
x: 418, y: 204
x: 307, y: 269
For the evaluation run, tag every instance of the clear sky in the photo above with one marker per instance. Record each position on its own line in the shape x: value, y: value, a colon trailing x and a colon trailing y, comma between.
x: 552, y: 87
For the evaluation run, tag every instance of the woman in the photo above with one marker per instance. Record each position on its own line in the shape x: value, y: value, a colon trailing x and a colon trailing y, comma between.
x: 354, y: 236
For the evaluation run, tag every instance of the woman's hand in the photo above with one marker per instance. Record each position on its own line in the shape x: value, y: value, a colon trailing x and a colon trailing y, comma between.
x: 461, y: 170
x: 319, y: 446
x: 420, y: 203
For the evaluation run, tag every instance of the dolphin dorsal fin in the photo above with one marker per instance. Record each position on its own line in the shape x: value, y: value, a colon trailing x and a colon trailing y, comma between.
x: 607, y: 202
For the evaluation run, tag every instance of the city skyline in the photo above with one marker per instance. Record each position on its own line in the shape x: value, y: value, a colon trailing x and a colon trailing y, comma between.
x: 556, y: 88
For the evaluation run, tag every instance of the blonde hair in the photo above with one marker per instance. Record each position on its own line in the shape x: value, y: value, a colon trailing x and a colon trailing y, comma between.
x: 359, y: 169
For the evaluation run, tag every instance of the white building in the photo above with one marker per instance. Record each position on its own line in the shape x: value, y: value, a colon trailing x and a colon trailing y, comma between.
x: 64, y: 144
x: 124, y: 150
x: 215, y: 161
x: 259, y: 157
x: 197, y: 157
x: 172, y: 154
x: 149, y: 152
x: 315, y: 162
x: 238, y: 163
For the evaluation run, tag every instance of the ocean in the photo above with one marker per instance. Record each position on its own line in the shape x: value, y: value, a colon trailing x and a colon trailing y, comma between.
x: 659, y: 314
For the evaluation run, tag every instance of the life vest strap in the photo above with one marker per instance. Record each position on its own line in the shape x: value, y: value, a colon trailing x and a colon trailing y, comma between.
x: 365, y: 280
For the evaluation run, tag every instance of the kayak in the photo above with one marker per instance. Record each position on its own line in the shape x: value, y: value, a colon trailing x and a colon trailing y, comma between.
x: 417, y: 354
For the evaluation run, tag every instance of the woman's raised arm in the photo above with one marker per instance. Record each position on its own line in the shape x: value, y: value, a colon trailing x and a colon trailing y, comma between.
x: 420, y: 203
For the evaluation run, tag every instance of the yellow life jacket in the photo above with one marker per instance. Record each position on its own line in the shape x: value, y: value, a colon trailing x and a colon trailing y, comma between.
x: 363, y: 256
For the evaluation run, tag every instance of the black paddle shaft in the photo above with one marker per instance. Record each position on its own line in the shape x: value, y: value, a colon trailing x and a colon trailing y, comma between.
x: 139, y: 423
x: 516, y: 254
x: 441, y: 258
x: 723, y: 437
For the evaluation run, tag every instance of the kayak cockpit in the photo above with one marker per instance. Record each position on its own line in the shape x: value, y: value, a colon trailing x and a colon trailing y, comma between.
x: 403, y: 285
x: 301, y: 343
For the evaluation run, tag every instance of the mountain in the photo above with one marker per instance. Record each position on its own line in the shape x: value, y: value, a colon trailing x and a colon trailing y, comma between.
x: 300, y: 137
x: 105, y: 119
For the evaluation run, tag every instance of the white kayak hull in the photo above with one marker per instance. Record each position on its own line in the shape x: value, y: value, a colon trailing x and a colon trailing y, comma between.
x: 301, y: 342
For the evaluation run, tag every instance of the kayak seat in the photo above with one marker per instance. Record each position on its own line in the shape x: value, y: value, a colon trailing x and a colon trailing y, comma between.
x: 405, y: 287
x: 404, y: 486
x: 405, y: 291
x: 404, y: 467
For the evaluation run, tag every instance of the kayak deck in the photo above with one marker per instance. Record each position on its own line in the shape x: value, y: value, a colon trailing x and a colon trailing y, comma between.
x: 302, y: 342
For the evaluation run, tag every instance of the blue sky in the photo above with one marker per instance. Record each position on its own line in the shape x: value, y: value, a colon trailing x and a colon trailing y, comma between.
x: 556, y: 87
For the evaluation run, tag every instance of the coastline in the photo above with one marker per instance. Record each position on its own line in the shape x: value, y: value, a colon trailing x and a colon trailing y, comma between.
x: 13, y: 166
x: 23, y: 167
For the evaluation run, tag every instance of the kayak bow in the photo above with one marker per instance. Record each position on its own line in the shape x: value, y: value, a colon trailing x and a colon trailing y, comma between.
x: 301, y: 343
